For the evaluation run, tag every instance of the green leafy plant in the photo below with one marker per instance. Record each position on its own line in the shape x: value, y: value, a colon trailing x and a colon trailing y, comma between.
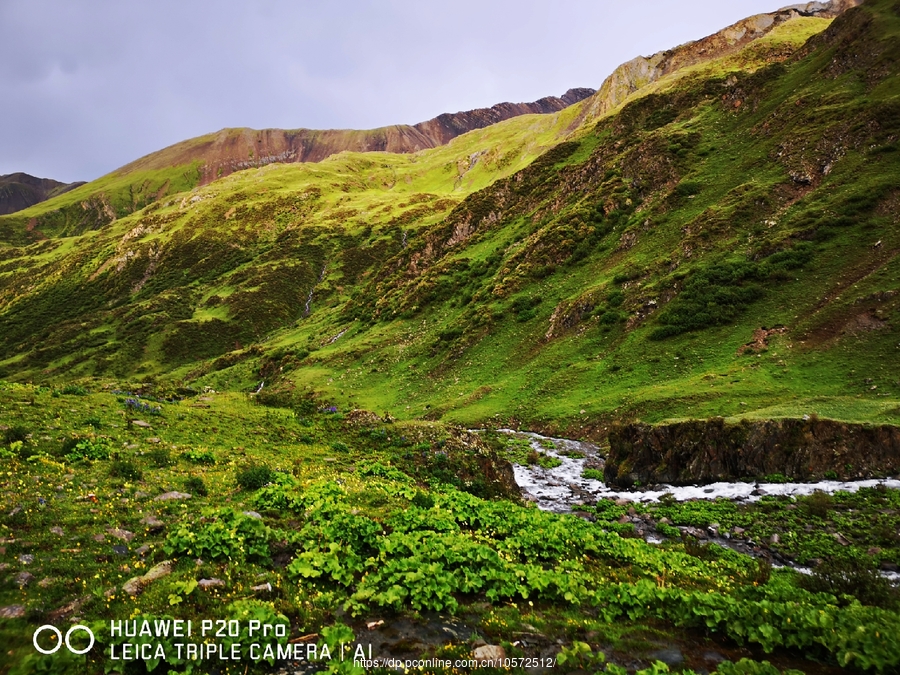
x: 221, y: 534
x: 86, y: 450
x: 199, y: 456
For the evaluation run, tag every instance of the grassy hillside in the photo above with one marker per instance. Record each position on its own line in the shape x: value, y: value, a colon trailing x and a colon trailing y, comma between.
x: 185, y: 372
x: 737, y: 201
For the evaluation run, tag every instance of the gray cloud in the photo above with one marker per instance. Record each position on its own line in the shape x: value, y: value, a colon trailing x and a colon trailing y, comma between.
x: 88, y: 87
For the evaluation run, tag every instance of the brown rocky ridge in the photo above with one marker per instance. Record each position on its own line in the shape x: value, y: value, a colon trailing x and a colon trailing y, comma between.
x: 232, y: 150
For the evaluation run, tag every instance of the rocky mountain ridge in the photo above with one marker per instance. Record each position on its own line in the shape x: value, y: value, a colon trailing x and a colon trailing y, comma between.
x: 230, y: 150
x: 641, y: 71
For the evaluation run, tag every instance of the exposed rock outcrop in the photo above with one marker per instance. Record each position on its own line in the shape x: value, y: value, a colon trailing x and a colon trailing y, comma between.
x: 644, y: 70
x: 704, y: 451
x: 232, y: 150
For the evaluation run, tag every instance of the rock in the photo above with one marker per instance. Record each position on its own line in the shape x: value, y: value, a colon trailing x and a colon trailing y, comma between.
x: 68, y: 609
x: 99, y: 537
x: 262, y: 588
x: 671, y: 656
x: 16, y: 511
x: 46, y: 582
x: 135, y: 585
x: 153, y: 523
x: 624, y: 519
x: 124, y: 535
x: 140, y: 423
x: 695, y: 532
x: 705, y: 451
x: 26, y: 558
x: 774, y: 539
x: 372, y: 625
x: 873, y: 551
x: 841, y: 539
x: 713, y: 657
x: 24, y: 578
x: 153, y: 440
x: 253, y: 514
x: 665, y: 521
x: 210, y: 584
x: 631, y: 511
x: 158, y: 571
x: 142, y: 550
x: 168, y: 496
x: 713, y: 529
x: 622, y: 502
x: 109, y: 592
x: 487, y: 655
x: 887, y: 566
x: 57, y: 530
x: 140, y: 495
x: 12, y: 612
x: 738, y: 531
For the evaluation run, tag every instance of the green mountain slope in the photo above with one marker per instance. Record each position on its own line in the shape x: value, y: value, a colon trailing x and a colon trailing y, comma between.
x: 723, y: 242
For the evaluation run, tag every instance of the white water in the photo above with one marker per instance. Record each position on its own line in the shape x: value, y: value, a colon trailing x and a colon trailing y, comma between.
x: 562, y: 488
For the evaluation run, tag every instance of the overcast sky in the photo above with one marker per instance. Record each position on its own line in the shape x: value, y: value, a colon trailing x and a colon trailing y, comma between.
x: 86, y: 87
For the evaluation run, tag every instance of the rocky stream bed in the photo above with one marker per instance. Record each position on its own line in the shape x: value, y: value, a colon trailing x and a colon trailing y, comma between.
x: 564, y: 489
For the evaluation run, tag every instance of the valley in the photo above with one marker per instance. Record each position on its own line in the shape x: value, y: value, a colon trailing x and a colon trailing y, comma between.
x: 285, y: 376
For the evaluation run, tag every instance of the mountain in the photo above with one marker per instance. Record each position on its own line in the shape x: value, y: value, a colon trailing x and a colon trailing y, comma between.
x: 199, y: 161
x: 232, y: 150
x: 19, y: 191
x: 637, y: 74
x: 722, y: 242
x: 250, y: 401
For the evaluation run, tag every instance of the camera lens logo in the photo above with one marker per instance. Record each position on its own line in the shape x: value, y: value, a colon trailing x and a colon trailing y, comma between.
x: 60, y: 640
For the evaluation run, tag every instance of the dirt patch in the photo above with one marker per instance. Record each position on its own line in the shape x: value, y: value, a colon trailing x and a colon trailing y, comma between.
x: 760, y: 341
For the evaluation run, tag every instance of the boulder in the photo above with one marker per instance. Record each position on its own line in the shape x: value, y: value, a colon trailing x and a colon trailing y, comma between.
x: 169, y: 496
x: 489, y: 655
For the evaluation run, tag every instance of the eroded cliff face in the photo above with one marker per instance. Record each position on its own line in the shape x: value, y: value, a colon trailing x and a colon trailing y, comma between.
x: 705, y: 451
x: 232, y: 150
x: 641, y: 71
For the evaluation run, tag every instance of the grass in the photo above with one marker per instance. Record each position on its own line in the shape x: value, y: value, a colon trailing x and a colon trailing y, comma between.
x: 387, y: 482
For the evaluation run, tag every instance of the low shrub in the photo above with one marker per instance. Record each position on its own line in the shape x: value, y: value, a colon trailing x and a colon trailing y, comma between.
x: 126, y: 470
x: 855, y: 578
x: 254, y: 476
x: 196, y: 486
x: 160, y: 457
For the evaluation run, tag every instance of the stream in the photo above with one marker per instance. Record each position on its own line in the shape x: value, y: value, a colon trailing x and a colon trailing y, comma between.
x: 563, y: 489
